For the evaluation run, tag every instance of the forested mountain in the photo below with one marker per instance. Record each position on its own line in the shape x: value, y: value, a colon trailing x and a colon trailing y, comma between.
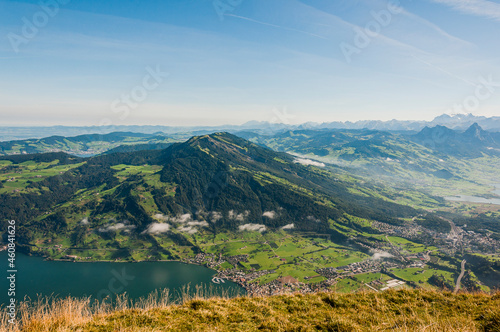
x: 217, y: 182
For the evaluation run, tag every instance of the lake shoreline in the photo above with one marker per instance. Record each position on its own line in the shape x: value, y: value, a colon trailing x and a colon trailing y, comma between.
x: 47, y: 258
x: 46, y: 277
x: 490, y: 199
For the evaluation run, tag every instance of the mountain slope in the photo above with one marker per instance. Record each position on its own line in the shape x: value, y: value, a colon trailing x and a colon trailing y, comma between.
x: 215, y: 182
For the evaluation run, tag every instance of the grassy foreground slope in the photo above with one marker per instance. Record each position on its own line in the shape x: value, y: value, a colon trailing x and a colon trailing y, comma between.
x: 404, y: 310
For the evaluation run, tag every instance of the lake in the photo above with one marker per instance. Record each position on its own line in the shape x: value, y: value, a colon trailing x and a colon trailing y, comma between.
x: 497, y: 189
x: 100, y: 279
x: 476, y: 199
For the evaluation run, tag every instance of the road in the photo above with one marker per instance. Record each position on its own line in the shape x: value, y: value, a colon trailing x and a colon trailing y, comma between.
x: 396, y: 250
x: 457, y: 286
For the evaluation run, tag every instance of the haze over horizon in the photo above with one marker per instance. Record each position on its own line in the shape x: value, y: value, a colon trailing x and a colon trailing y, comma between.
x: 191, y: 63
x: 276, y: 120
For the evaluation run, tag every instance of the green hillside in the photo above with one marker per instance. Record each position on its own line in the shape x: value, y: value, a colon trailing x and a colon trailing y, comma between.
x: 252, y: 214
x: 414, y: 310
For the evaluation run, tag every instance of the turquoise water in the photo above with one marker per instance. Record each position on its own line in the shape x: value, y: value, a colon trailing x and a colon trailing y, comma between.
x: 476, y: 199
x: 100, y: 279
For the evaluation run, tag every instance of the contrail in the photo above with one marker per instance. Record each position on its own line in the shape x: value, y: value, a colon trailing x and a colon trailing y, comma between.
x: 277, y: 26
x: 444, y: 71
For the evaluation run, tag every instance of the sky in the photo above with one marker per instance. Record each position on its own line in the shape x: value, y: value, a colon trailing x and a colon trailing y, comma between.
x: 213, y: 62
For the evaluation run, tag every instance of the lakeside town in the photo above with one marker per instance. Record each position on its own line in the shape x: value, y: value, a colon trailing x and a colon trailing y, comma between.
x: 386, y: 256
x: 457, y: 240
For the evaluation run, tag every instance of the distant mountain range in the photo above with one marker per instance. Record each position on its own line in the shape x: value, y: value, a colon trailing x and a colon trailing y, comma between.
x: 417, y: 159
x: 346, y: 144
x: 473, y: 142
x: 87, y: 145
x: 457, y: 122
x: 354, y: 144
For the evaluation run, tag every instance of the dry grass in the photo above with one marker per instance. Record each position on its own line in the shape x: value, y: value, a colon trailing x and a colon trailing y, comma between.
x: 404, y: 310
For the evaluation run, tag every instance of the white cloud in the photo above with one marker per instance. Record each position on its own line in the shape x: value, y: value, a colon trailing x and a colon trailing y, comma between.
x: 311, y: 218
x: 198, y: 223
x: 269, y: 214
x: 380, y: 255
x: 308, y: 162
x: 186, y: 220
x: 161, y: 217
x: 157, y: 228
x: 182, y: 219
x: 240, y: 217
x: 215, y: 216
x: 85, y: 221
x: 188, y: 229
x: 116, y: 227
x: 252, y: 228
x: 481, y: 8
x: 289, y: 226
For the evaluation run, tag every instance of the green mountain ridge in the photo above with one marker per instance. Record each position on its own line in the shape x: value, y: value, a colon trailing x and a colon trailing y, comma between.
x: 217, y: 174
x: 262, y: 212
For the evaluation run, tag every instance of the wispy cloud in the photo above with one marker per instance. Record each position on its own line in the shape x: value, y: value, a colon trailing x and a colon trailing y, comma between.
x: 277, y: 26
x: 318, y: 16
x: 482, y: 8
x: 444, y: 71
x: 436, y: 28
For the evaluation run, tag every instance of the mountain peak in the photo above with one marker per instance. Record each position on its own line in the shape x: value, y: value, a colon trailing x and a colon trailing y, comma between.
x: 228, y: 149
x: 435, y: 132
x: 475, y: 126
x: 218, y: 138
x: 475, y: 132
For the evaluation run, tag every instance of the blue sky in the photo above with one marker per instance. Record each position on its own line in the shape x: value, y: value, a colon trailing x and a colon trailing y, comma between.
x: 232, y: 61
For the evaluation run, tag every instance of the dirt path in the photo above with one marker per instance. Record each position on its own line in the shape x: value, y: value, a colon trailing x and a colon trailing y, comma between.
x: 457, y: 286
